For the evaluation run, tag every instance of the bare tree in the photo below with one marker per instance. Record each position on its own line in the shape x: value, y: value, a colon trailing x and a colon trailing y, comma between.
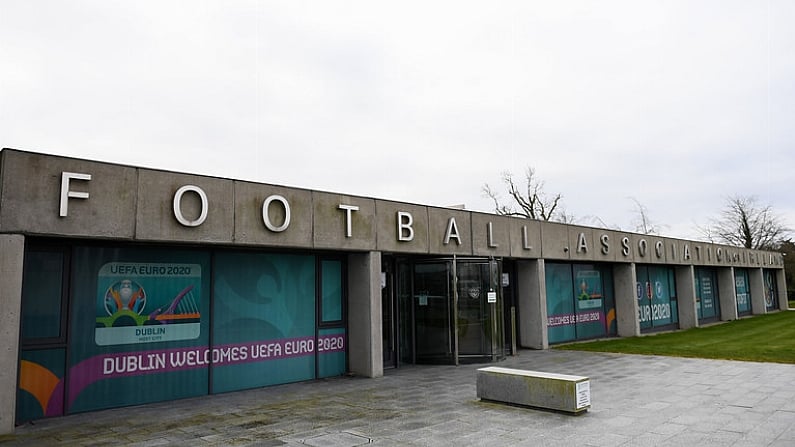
x: 746, y: 223
x: 643, y: 223
x: 532, y: 200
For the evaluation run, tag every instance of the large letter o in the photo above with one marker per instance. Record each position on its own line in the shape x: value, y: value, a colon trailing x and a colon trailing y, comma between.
x: 178, y: 209
x: 267, y: 220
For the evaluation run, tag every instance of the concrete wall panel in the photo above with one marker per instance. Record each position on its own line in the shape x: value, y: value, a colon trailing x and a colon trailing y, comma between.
x: 364, y: 314
x: 781, y: 281
x: 388, y: 239
x: 686, y: 296
x: 625, y: 280
x: 606, y: 245
x: 525, y: 238
x: 555, y: 239
x: 331, y: 222
x: 12, y: 249
x: 648, y: 249
x: 581, y: 244
x: 31, y: 188
x: 727, y: 294
x: 757, y: 290
x: 438, y: 221
x: 250, y: 225
x: 156, y: 219
x: 532, y: 304
x: 491, y: 242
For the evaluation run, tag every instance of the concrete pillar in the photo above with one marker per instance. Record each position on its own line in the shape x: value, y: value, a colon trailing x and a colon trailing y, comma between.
x: 686, y: 296
x: 12, y: 251
x: 757, y: 290
x: 532, y: 303
x: 781, y: 286
x: 727, y: 291
x: 625, y: 280
x: 365, y: 352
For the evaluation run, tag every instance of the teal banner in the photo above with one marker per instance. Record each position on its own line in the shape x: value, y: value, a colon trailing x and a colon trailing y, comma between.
x: 743, y: 291
x: 264, y: 301
x: 657, y: 304
x: 578, y: 303
x: 137, y: 314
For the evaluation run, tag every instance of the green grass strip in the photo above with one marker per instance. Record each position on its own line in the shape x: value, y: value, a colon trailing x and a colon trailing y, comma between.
x: 762, y: 338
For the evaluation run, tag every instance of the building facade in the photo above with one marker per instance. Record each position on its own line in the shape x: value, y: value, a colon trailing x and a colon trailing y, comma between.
x: 124, y: 285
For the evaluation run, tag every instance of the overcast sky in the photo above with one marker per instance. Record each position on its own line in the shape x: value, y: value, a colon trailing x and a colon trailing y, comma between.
x: 675, y: 103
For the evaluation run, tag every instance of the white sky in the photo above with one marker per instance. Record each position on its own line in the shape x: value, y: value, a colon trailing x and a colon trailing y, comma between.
x: 676, y: 103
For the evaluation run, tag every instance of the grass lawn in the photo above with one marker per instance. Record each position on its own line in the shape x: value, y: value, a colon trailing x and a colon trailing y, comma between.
x: 762, y: 338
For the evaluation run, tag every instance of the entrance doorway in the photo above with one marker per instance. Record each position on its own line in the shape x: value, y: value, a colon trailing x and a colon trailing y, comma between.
x: 443, y: 311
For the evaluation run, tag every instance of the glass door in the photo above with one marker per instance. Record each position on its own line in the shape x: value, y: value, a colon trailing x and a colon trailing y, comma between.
x: 433, y: 342
x: 707, y: 303
x: 480, y: 331
x: 448, y: 311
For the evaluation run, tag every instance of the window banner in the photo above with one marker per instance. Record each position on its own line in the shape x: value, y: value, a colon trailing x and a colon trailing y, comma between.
x: 589, y: 283
x: 147, y: 302
x: 331, y: 350
x: 264, y: 304
x: 656, y: 302
x: 771, y: 292
x: 741, y: 287
x: 139, y: 326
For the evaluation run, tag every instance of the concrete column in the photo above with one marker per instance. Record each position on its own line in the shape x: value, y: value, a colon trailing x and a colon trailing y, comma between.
x: 727, y: 290
x: 757, y: 290
x: 365, y: 350
x: 12, y: 252
x: 781, y: 283
x: 686, y: 296
x: 532, y: 303
x: 625, y: 280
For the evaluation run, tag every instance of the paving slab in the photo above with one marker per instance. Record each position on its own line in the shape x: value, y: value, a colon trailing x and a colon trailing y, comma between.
x: 635, y: 400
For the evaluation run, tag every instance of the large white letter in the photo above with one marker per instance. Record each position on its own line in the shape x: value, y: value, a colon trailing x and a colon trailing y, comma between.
x: 401, y: 225
x: 452, y: 232
x: 348, y: 209
x: 178, y: 208
x: 490, y: 233
x: 267, y: 220
x: 605, y: 244
x: 582, y: 244
x: 525, y: 241
x: 643, y: 247
x: 66, y: 194
x: 625, y: 246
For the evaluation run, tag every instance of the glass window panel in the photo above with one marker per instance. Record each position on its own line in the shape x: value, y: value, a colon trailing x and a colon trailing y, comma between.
x: 742, y: 289
x: 331, y: 290
x: 771, y: 292
x: 41, y: 295
x: 331, y: 352
x: 707, y: 293
x: 263, y: 320
x: 139, y: 329
x: 590, y: 302
x: 40, y: 392
x: 561, y: 319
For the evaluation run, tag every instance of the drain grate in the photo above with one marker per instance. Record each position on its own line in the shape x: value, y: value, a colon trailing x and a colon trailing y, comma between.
x: 341, y: 439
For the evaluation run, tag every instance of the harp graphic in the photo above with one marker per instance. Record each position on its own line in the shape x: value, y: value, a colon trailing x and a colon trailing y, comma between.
x: 181, y: 309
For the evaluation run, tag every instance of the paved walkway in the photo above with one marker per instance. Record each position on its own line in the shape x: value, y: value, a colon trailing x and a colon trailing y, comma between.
x: 636, y: 401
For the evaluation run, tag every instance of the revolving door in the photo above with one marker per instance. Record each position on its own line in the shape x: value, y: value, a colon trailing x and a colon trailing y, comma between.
x: 450, y: 311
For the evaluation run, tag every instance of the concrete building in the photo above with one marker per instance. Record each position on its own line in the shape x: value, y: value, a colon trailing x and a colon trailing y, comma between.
x: 123, y: 285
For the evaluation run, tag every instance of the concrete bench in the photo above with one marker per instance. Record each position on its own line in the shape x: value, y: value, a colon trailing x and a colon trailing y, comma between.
x: 560, y: 392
